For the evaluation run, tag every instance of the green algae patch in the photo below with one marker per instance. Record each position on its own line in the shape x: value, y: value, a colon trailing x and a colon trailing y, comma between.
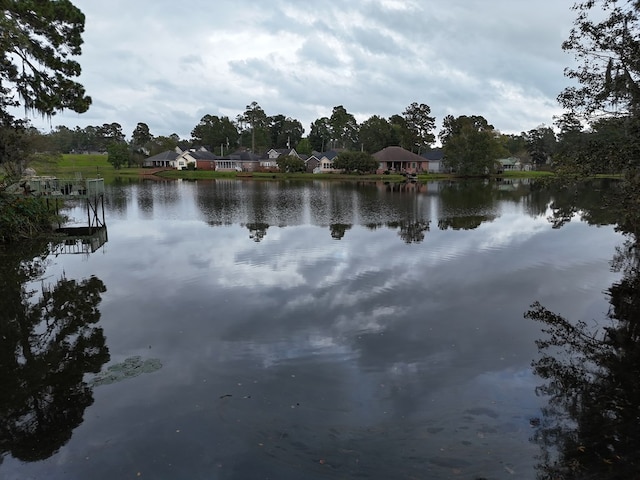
x: 129, y: 368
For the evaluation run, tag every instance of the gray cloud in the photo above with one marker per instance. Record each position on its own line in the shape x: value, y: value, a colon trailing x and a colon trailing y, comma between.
x: 169, y: 65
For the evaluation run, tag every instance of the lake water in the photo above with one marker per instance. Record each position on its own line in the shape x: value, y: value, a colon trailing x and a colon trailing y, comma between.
x: 284, y: 330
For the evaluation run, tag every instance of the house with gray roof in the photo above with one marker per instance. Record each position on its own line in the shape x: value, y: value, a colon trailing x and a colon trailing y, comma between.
x: 241, y: 161
x: 312, y: 162
x: 325, y: 161
x: 435, y: 157
x: 400, y: 160
x: 512, y: 164
x: 270, y: 158
x: 204, y: 159
x: 164, y: 159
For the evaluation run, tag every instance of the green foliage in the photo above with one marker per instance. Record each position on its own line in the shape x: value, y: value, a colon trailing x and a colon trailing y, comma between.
x: 162, y: 144
x: 377, y: 133
x: 60, y: 139
x: 471, y: 145
x: 15, y: 145
x: 343, y: 128
x: 304, y: 146
x: 88, y: 139
x: 419, y: 124
x: 118, y: 154
x: 38, y: 42
x: 514, y: 144
x: 320, y: 134
x: 141, y: 135
x: 253, y: 122
x: 290, y: 164
x: 605, y: 40
x: 540, y: 144
x: 284, y: 132
x: 214, y: 132
x: 355, y: 162
x: 64, y: 140
x: 23, y: 218
x: 615, y: 140
x: 401, y: 131
x: 608, y: 147
x: 109, y: 133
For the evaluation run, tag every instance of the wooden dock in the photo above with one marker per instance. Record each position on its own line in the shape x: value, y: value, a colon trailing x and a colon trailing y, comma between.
x: 52, y: 189
x: 64, y: 188
x: 78, y: 240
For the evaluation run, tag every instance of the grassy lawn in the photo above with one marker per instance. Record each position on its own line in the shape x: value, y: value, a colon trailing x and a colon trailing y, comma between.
x: 91, y: 166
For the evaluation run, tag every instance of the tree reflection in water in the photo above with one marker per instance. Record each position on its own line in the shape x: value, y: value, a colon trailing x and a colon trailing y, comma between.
x: 591, y: 426
x: 338, y: 230
x: 411, y: 231
x: 257, y: 231
x: 46, y: 347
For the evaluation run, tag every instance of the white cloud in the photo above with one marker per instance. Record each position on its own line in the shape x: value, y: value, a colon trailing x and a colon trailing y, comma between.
x: 168, y: 65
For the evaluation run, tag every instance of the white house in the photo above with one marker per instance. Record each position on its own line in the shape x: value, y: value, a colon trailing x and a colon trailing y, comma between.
x: 325, y: 161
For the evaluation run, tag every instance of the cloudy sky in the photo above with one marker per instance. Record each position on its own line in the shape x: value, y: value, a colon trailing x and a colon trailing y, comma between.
x: 169, y: 63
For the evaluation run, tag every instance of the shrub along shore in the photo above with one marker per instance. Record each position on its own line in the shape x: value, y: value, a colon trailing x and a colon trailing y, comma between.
x: 24, y: 218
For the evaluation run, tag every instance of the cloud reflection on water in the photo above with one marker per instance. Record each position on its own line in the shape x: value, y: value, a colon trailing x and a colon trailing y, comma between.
x: 368, y: 331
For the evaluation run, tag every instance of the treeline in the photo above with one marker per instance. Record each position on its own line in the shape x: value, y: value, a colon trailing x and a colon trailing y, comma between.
x: 471, y: 144
x: 256, y: 131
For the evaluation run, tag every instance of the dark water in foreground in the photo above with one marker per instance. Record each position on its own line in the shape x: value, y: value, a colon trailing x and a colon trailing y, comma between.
x: 246, y: 330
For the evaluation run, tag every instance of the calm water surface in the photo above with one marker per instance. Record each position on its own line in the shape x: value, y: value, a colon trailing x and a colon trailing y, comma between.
x: 247, y: 330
